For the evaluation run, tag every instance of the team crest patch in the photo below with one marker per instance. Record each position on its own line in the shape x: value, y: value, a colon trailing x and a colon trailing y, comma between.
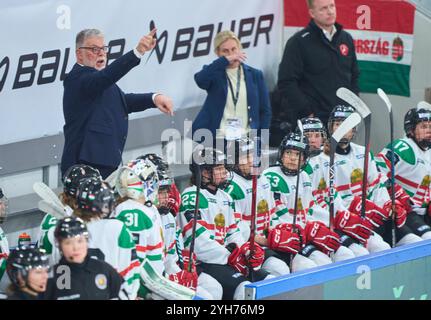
x: 344, y: 50
x: 219, y: 220
x: 356, y: 176
x: 101, y: 281
x: 426, y: 181
x: 262, y: 206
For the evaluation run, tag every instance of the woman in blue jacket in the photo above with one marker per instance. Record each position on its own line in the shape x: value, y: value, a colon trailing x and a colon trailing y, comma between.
x: 237, y: 99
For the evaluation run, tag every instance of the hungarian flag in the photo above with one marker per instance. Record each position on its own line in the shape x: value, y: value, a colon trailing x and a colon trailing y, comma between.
x: 383, y: 35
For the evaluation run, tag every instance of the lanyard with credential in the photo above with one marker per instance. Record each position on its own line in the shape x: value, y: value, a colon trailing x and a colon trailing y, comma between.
x: 235, y: 97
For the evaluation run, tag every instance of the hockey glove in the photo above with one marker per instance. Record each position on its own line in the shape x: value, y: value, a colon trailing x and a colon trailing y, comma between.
x: 402, y: 197
x: 353, y: 225
x: 174, y: 200
x: 400, y: 212
x: 324, y: 239
x: 281, y: 238
x: 185, y: 278
x: 240, y: 258
x: 373, y: 213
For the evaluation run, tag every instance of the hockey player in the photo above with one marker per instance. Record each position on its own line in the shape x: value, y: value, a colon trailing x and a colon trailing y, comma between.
x: 219, y: 246
x: 4, y: 245
x: 71, y: 180
x: 317, y: 240
x: 27, y: 268
x: 174, y: 197
x: 412, y: 165
x: 240, y: 189
x: 176, y: 258
x: 110, y: 241
x: 89, y: 279
x: 349, y: 162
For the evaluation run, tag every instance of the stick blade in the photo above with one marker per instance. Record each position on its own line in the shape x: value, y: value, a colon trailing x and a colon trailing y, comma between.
x: 356, y: 102
x: 349, y: 123
x: 424, y: 105
x: 51, y: 208
x: 385, y: 99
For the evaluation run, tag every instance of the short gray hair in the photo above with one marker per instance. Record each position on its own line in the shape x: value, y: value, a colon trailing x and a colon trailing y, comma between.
x: 87, y: 33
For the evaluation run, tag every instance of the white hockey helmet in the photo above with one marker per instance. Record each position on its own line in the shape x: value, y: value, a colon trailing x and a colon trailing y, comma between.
x: 137, y: 180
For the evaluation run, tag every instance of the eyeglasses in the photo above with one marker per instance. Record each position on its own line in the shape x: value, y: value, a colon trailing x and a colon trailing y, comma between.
x: 96, y: 50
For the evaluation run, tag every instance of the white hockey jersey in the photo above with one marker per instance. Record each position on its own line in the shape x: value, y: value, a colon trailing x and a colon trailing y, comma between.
x: 216, y: 224
x: 145, y: 225
x: 412, y: 169
x: 240, y: 189
x: 170, y: 234
x: 348, y: 171
x: 284, y: 190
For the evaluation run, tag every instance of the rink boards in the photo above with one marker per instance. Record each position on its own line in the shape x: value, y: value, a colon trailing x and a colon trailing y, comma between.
x: 400, y: 273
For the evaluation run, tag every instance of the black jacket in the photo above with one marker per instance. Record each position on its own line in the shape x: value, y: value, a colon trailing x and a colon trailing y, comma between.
x: 91, y: 280
x: 312, y: 69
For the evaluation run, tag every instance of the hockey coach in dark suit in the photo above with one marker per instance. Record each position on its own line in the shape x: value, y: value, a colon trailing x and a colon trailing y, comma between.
x: 96, y: 109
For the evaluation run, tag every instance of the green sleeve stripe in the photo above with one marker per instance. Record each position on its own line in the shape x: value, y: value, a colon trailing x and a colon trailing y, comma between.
x: 46, y: 244
x: 135, y: 277
x: 2, y: 268
x: 198, y: 233
x: 154, y: 257
x: 282, y: 212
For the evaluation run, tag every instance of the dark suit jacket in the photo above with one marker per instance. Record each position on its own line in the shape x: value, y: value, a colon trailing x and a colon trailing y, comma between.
x: 96, y: 113
x: 213, y: 79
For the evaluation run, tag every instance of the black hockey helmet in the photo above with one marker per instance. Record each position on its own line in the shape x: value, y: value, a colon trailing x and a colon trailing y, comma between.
x: 4, y: 206
x: 207, y: 159
x: 70, y: 227
x: 313, y: 125
x: 339, y: 113
x: 75, y: 174
x: 22, y: 259
x: 236, y: 149
x: 293, y: 141
x: 96, y: 196
x: 164, y: 175
x: 411, y: 119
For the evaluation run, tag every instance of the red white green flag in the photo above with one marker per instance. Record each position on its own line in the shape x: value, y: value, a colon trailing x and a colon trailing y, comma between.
x: 383, y: 33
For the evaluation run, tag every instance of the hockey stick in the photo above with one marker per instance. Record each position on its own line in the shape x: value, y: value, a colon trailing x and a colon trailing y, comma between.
x: 162, y: 286
x: 364, y: 111
x: 348, y: 124
x: 47, y: 194
x: 295, y: 208
x: 198, y: 180
x: 388, y: 104
x: 423, y: 105
x: 52, y: 209
x: 255, y: 174
x: 112, y: 178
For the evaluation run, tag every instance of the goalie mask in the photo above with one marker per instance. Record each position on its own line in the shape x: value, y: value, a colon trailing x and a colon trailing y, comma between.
x: 95, y: 196
x: 138, y: 180
x: 4, y: 207
x: 163, y: 173
x: 338, y: 115
x: 293, y: 142
x: 23, y: 259
x: 75, y: 174
x: 417, y: 126
x: 315, y: 132
x: 214, y: 162
x: 240, y: 155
